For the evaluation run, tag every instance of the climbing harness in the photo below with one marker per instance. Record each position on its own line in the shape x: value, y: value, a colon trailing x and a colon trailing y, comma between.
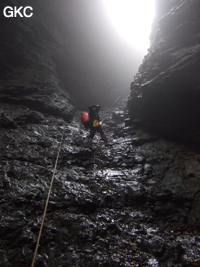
x: 47, y: 201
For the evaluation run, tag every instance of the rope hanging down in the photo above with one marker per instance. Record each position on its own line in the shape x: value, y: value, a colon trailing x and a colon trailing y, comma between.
x: 47, y: 201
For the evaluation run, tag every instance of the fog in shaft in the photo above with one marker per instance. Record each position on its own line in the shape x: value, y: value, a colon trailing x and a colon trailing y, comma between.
x: 102, y: 63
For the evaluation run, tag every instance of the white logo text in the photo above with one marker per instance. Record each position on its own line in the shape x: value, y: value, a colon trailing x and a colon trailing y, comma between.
x: 13, y: 12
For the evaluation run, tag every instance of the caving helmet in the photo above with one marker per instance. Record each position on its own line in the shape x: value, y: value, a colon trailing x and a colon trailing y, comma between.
x: 97, y: 107
x: 94, y: 108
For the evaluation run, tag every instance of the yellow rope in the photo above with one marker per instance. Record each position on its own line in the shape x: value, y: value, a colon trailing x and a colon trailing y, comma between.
x: 47, y: 201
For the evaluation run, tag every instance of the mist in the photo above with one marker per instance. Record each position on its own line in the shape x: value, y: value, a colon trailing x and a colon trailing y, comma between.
x: 100, y: 64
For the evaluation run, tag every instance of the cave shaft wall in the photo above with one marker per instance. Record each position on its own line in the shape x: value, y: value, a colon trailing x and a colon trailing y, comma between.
x: 29, y: 47
x: 165, y: 91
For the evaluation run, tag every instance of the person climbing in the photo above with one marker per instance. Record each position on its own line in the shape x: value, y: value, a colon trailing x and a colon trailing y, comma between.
x: 93, y: 123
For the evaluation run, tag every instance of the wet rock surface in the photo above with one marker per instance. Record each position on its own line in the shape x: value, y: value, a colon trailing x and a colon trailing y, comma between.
x: 165, y: 92
x: 28, y: 71
x: 132, y: 203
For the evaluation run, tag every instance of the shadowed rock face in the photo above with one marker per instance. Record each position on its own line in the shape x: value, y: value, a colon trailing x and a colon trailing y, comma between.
x: 134, y: 203
x: 166, y: 90
x: 28, y: 70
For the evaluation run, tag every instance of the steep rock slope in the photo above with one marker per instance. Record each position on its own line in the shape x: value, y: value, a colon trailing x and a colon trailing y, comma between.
x: 165, y: 92
x: 133, y: 203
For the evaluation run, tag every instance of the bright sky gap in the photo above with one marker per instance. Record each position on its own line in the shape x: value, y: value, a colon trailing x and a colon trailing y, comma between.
x: 132, y: 19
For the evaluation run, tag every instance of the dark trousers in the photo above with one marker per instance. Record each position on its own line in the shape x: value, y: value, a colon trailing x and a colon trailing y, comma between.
x: 98, y: 129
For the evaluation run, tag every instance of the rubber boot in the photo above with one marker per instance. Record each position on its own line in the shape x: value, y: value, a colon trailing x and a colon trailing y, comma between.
x: 104, y: 139
x: 89, y: 142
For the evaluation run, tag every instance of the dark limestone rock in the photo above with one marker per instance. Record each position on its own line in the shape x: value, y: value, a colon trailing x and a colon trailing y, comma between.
x: 28, y: 72
x: 165, y: 92
x: 133, y: 203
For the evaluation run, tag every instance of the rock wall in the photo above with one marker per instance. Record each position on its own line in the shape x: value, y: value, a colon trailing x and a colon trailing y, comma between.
x: 29, y: 47
x: 133, y: 203
x: 166, y: 91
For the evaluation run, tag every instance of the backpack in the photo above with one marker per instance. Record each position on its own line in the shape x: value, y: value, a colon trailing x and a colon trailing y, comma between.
x: 85, y: 118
